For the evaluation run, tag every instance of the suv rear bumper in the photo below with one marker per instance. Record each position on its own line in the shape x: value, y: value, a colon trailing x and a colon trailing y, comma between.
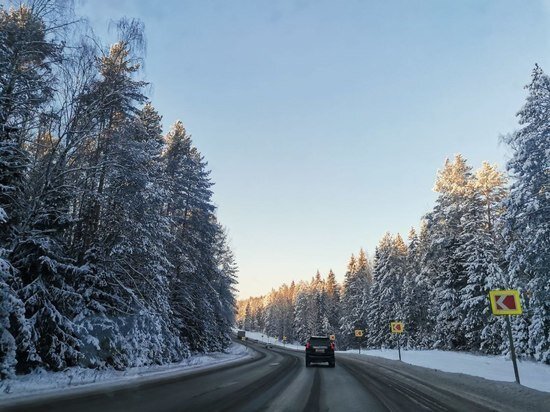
x: 321, y: 357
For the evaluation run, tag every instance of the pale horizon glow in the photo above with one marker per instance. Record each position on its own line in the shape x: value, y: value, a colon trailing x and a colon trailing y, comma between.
x: 325, y: 122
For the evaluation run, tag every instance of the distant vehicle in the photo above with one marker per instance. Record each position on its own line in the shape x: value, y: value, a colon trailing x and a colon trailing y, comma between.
x: 320, y: 349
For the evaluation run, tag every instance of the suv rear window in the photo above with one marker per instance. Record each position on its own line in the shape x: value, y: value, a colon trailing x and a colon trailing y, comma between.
x: 319, y: 341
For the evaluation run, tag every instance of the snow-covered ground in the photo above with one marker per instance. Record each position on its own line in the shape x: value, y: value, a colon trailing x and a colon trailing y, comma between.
x: 42, y: 382
x: 263, y: 338
x: 532, y: 374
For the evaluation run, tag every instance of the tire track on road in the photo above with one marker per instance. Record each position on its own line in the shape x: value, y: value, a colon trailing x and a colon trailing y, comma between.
x: 257, y: 395
x: 313, y: 402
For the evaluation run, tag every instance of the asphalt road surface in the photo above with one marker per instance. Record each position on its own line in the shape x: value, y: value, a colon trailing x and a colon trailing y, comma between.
x: 277, y: 380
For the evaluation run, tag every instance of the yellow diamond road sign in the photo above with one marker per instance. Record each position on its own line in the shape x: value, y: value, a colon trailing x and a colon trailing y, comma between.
x: 396, y: 327
x: 332, y: 337
x: 505, y: 302
x: 358, y: 333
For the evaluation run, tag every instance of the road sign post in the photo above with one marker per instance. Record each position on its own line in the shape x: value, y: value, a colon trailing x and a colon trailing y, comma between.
x: 359, y: 336
x: 512, y: 349
x: 399, y: 346
x: 507, y: 303
x: 397, y: 327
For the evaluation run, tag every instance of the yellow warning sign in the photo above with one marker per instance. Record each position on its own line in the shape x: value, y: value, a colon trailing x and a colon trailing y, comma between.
x: 505, y: 302
x: 332, y: 337
x: 358, y: 333
x: 396, y: 327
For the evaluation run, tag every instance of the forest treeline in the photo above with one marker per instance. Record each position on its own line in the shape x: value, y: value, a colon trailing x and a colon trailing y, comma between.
x: 110, y: 251
x: 488, y: 230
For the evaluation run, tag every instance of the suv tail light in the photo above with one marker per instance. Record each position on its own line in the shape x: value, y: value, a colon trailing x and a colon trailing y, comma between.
x: 308, y: 345
x: 332, y: 345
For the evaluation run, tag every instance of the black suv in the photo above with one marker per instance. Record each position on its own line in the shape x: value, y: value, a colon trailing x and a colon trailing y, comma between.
x: 320, y: 349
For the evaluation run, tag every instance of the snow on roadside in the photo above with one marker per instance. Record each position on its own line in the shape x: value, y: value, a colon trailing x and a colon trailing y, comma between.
x: 263, y: 338
x: 45, y: 382
x: 532, y: 374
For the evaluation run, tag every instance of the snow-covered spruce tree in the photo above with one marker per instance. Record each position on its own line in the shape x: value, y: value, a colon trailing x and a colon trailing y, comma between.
x: 195, y: 230
x: 83, y: 208
x: 247, y: 321
x: 387, y: 291
x: 51, y: 302
x: 49, y: 276
x: 58, y: 179
x: 279, y: 312
x: 135, y: 234
x: 482, y: 268
x: 26, y: 55
x: 258, y: 314
x: 97, y: 137
x: 13, y: 326
x: 26, y: 83
x: 121, y: 232
x: 347, y: 324
x: 272, y: 314
x: 319, y: 324
x: 527, y: 216
x: 332, y: 303
x: 301, y: 315
x: 312, y: 310
x: 443, y: 266
x: 481, y: 250
x: 355, y: 299
x: 424, y: 281
x: 415, y: 299
x: 321, y: 319
x: 224, y: 283
x: 13, y: 165
x: 290, y: 305
x: 112, y: 100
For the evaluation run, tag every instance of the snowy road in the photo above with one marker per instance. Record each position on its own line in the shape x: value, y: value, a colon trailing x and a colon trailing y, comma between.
x: 277, y: 380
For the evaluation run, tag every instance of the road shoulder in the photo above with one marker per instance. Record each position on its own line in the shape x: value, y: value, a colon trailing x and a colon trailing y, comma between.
x: 490, y: 394
x: 52, y: 385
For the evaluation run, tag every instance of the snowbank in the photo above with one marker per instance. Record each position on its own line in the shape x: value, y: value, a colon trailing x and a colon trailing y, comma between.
x: 73, y: 378
x: 532, y: 374
x: 263, y: 338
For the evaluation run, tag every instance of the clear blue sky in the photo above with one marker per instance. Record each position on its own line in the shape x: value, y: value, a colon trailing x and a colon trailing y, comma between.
x: 325, y: 122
